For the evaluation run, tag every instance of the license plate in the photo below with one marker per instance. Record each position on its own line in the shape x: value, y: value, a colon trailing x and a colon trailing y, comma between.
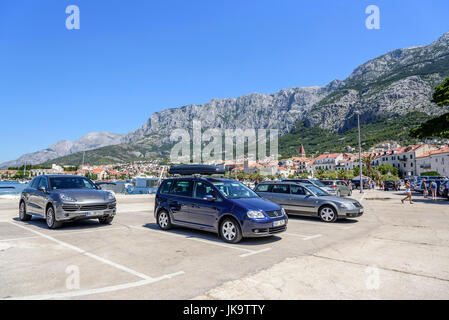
x: 93, y: 213
x: 278, y: 223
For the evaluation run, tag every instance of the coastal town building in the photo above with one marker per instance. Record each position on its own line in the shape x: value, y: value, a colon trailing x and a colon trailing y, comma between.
x: 435, y: 160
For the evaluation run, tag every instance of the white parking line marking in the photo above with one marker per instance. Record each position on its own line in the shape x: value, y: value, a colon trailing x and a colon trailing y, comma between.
x: 254, y: 252
x: 16, y: 239
x: 320, y: 224
x: 303, y: 236
x: 78, y: 293
x: 249, y: 251
x: 84, y: 252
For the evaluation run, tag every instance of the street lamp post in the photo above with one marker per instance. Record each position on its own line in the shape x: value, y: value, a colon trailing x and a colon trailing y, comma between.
x: 360, y: 152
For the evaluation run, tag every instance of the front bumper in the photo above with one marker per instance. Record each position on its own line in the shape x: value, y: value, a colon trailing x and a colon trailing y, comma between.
x: 68, y: 212
x: 253, y: 228
x: 350, y: 213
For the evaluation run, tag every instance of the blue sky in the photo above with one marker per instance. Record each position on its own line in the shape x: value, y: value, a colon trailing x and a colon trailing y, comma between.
x: 132, y: 58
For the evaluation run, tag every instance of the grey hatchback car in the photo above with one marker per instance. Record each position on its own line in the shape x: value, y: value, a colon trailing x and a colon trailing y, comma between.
x: 309, y: 200
x: 62, y: 198
x: 341, y: 188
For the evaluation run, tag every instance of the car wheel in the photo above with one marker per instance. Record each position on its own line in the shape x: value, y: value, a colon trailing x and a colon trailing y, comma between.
x: 163, y: 220
x: 23, y: 216
x: 328, y: 214
x: 230, y: 231
x: 105, y: 220
x: 50, y: 218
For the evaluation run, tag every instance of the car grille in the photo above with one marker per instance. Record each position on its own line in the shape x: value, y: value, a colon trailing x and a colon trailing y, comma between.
x: 277, y: 229
x: 94, y: 207
x: 274, y: 213
x: 70, y: 207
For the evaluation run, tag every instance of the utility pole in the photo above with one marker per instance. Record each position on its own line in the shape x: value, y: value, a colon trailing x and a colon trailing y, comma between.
x: 360, y: 152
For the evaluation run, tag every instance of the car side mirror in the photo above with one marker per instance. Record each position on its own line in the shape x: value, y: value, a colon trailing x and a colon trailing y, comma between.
x: 209, y: 197
x: 43, y: 189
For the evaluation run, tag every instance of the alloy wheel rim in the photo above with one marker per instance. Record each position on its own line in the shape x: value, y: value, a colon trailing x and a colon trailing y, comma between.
x: 163, y: 220
x: 229, y: 231
x: 50, y: 217
x: 327, y: 214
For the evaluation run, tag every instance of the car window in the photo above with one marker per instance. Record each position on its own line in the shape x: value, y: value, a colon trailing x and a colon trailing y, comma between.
x: 166, y: 186
x: 202, y: 189
x: 280, y: 188
x: 34, y: 184
x: 43, y: 183
x: 327, y: 183
x: 59, y: 183
x: 263, y: 188
x: 182, y: 188
x: 234, y: 190
x: 341, y: 183
x: 298, y: 190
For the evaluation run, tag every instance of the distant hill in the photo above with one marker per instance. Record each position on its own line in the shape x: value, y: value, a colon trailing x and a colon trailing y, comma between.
x: 61, y: 148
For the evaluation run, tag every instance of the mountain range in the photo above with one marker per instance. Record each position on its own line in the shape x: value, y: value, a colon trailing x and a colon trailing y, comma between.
x: 392, y: 86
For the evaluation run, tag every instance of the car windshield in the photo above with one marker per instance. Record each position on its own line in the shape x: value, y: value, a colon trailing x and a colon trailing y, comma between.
x: 317, y: 183
x: 319, y: 192
x: 234, y: 190
x: 59, y: 183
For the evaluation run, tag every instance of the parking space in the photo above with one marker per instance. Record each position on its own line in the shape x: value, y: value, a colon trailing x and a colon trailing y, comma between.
x: 133, y: 259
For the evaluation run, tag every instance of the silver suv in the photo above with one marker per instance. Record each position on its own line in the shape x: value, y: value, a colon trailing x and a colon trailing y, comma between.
x: 309, y: 200
x: 61, y: 198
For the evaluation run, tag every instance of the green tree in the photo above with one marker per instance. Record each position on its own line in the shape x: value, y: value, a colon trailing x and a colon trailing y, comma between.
x: 387, y: 169
x: 439, y: 126
x: 430, y: 173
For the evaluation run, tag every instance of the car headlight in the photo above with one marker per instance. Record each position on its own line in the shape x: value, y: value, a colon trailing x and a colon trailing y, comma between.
x: 283, y: 211
x: 255, y: 214
x: 67, y: 198
x: 110, y: 196
x: 346, y: 205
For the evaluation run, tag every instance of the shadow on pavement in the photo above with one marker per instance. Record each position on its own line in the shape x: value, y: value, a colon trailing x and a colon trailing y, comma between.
x: 210, y: 236
x: 73, y: 225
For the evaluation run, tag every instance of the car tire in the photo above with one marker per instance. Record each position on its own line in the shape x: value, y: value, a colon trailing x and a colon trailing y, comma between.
x: 50, y: 218
x: 23, y: 216
x: 105, y: 220
x: 163, y: 220
x: 328, y: 214
x: 230, y: 231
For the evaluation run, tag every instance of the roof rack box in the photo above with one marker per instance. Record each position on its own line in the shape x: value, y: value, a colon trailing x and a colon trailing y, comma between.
x: 192, y: 169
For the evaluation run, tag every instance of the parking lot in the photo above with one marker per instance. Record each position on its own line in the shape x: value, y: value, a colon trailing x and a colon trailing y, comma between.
x: 407, y: 245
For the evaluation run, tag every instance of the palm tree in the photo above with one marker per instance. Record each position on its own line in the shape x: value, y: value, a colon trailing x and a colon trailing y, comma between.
x: 367, y: 160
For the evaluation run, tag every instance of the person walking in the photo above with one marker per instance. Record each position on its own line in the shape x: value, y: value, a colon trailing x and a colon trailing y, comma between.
x: 408, y: 192
x: 433, y: 189
x: 424, y: 188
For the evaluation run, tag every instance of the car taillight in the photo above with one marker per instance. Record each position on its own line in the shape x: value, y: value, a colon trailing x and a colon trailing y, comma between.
x: 333, y: 186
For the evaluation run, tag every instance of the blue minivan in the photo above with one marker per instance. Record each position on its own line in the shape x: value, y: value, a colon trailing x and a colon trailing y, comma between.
x: 222, y: 206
